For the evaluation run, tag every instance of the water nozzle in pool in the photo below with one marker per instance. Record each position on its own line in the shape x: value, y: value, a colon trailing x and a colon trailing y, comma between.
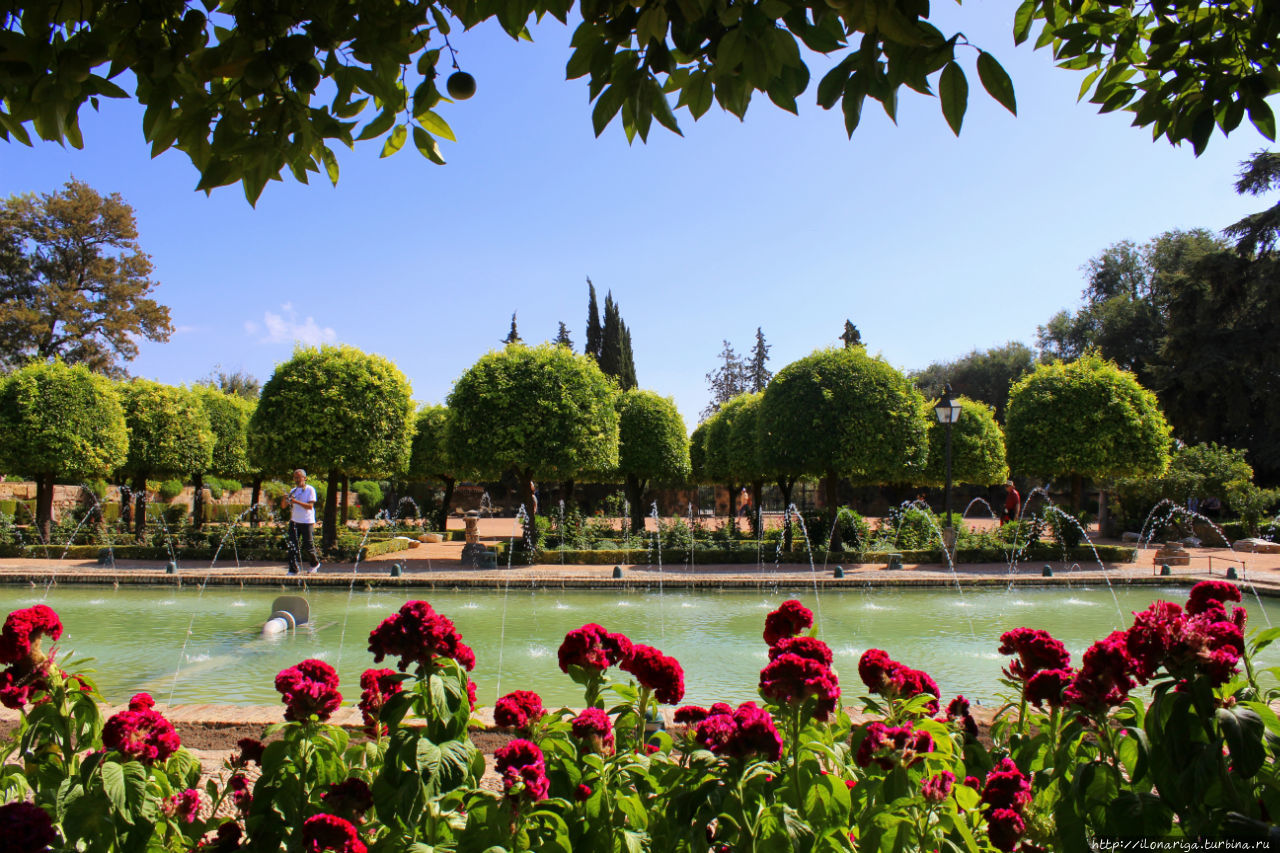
x: 287, y: 612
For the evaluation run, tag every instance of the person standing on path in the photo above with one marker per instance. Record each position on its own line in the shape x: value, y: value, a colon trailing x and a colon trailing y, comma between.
x: 302, y: 523
x: 1012, y: 504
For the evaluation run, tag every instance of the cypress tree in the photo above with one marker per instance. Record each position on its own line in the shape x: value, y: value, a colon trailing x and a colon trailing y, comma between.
x: 758, y: 375
x: 627, y: 378
x: 611, y: 339
x: 513, y: 336
x: 562, y: 337
x: 594, y: 332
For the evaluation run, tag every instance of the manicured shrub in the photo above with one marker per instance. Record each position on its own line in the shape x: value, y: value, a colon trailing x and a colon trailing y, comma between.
x: 369, y: 493
x: 169, y: 489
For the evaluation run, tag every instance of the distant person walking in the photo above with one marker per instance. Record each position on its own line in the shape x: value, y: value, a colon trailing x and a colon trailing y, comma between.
x: 1012, y: 503
x: 745, y: 499
x: 302, y: 523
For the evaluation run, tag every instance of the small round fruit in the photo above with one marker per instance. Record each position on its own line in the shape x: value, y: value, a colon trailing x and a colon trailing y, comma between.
x: 461, y: 85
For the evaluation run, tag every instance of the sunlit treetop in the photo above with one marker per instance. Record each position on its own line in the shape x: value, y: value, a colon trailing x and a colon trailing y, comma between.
x: 250, y: 90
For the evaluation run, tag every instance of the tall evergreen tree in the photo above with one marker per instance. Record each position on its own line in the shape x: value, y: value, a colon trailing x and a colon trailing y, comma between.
x: 851, y: 336
x: 627, y: 378
x: 726, y: 381
x: 513, y: 336
x: 594, y: 332
x: 758, y: 375
x: 611, y: 339
x: 562, y: 337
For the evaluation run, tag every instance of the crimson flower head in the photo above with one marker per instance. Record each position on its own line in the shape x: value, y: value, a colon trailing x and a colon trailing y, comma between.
x: 1006, y: 787
x: 376, y: 687
x: 143, y: 735
x: 935, y: 789
x: 518, y: 709
x: 228, y: 839
x: 141, y: 702
x: 792, y: 678
x: 1105, y: 679
x: 692, y: 714
x: 241, y: 794
x: 887, y: 677
x: 184, y: 806
x: 958, y: 712
x: 522, y: 768
x: 595, y: 728
x: 329, y: 832
x: 18, y: 687
x: 1047, y: 687
x: 26, y: 828
x: 890, y: 746
x: 1005, y: 827
x: 309, y: 688
x: 1211, y: 595
x: 787, y: 621
x: 805, y: 647
x: 350, y: 797
x: 417, y: 634
x: 592, y: 647
x: 747, y: 732
x: 658, y: 672
x: 250, y: 751
x: 1036, y: 650
x: 20, y: 637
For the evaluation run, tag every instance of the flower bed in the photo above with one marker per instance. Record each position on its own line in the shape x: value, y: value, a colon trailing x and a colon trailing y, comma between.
x: 1075, y: 755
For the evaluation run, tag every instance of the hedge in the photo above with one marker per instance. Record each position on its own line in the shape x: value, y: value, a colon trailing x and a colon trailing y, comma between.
x: 152, y: 552
x: 712, y: 556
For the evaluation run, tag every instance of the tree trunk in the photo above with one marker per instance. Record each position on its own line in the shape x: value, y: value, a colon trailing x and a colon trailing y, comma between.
x: 757, y: 522
x: 524, y: 482
x: 197, y: 501
x: 635, y: 494
x: 254, y: 496
x: 732, y: 521
x: 566, y: 490
x: 44, y: 506
x: 126, y: 504
x: 443, y: 517
x: 1077, y: 492
x: 330, y: 531
x: 785, y: 485
x: 1102, y: 513
x: 140, y: 506
x: 832, y: 486
x: 346, y: 487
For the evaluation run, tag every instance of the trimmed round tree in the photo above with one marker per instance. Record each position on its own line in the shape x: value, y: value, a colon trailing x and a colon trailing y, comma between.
x: 717, y: 468
x: 840, y: 412
x: 169, y: 436
x: 229, y: 419
x: 59, y: 423
x: 652, y: 446
x: 1085, y: 418
x: 429, y: 458
x: 744, y: 447
x: 335, y: 410
x: 543, y: 412
x: 977, y: 447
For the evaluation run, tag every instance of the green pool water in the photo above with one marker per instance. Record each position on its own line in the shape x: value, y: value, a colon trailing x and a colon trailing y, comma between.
x: 136, y: 635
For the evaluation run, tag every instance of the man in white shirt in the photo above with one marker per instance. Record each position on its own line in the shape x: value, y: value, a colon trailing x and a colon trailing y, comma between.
x: 302, y: 522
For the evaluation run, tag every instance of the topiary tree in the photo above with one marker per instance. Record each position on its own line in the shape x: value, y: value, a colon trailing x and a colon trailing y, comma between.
x: 977, y: 447
x: 1085, y: 418
x: 59, y: 422
x: 334, y: 409
x: 652, y: 446
x: 542, y: 412
x: 743, y: 412
x: 429, y: 458
x: 717, y: 467
x: 229, y: 419
x: 169, y: 436
x: 841, y: 412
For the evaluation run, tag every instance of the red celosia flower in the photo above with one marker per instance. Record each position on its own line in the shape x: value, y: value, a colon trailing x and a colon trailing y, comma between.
x: 17, y: 687
x: 1105, y: 678
x: 310, y: 687
x: 791, y: 678
x: 1154, y: 633
x: 250, y: 752
x: 958, y: 712
x: 329, y: 832
x: 518, y: 709
x: 185, y: 806
x: 1006, y: 787
x: 787, y: 621
x: 241, y: 795
x: 26, y: 828
x: 419, y: 635
x: 751, y: 734
x: 144, y: 735
x: 595, y: 728
x: 582, y: 793
x: 935, y: 789
x: 350, y: 797
x: 592, y: 647
x: 1004, y: 828
x: 141, y: 702
x: 889, y: 746
x: 1210, y: 595
x: 520, y: 763
x: 889, y: 678
x: 875, y: 668
x: 1036, y: 650
x: 228, y: 839
x: 471, y: 694
x: 1046, y: 687
x: 658, y: 672
x: 805, y: 647
x: 20, y: 637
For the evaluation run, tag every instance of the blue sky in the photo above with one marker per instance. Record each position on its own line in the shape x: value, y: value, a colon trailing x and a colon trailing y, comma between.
x: 930, y: 244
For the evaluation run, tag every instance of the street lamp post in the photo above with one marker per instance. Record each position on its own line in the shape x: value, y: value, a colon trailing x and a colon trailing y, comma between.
x: 948, y: 411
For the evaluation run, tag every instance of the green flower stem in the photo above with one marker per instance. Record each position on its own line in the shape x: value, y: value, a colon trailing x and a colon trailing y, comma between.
x: 795, y: 725
x: 643, y: 707
x: 748, y: 830
x: 1022, y: 712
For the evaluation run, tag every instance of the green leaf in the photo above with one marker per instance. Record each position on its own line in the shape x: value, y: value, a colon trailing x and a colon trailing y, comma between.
x: 953, y: 92
x: 378, y: 126
x: 996, y: 82
x: 330, y: 164
x: 395, y: 141
x: 1262, y: 118
x: 1022, y: 20
x: 1243, y: 730
x: 436, y: 125
x: 427, y: 146
x: 113, y: 787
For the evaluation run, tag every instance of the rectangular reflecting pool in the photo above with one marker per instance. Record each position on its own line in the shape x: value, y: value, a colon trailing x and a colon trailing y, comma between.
x: 184, y: 645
